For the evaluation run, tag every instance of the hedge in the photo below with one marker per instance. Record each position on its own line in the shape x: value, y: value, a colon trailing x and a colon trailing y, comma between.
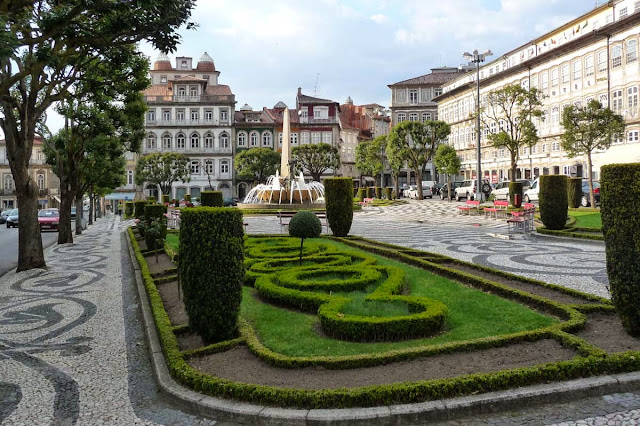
x: 574, y: 192
x: 515, y: 188
x: 187, y: 198
x: 378, y: 192
x: 211, y: 199
x: 154, y: 211
x: 139, y: 209
x: 620, y: 204
x: 362, y: 194
x: 339, y: 204
x: 553, y: 201
x: 165, y: 199
x: 151, y: 200
x: 212, y: 270
x: 371, y: 192
x: 388, y: 193
x: 128, y: 208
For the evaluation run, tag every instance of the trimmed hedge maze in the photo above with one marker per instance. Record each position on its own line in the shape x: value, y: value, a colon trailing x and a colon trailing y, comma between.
x: 355, y: 303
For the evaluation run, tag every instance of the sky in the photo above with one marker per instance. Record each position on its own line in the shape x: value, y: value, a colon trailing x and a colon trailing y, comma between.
x: 333, y: 49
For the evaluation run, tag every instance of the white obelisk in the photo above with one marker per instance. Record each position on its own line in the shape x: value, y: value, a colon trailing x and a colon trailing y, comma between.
x: 286, y: 144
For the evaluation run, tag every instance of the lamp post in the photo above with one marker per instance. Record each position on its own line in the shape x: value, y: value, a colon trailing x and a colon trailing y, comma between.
x: 477, y: 58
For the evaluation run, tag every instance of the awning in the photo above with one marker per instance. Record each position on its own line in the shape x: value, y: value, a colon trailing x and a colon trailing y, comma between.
x: 55, y: 197
x: 127, y: 196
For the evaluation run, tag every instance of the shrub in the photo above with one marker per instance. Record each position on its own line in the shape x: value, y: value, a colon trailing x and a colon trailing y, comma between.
x: 362, y: 193
x: 165, y: 199
x: 151, y: 200
x: 212, y: 270
x: 575, y: 192
x: 620, y: 204
x: 128, y: 208
x: 388, y: 193
x: 378, y: 192
x: 212, y: 198
x: 155, y: 233
x: 553, y: 201
x: 515, y: 188
x: 305, y: 224
x: 371, y: 192
x: 339, y: 205
x: 154, y: 211
x: 187, y: 198
x: 139, y: 209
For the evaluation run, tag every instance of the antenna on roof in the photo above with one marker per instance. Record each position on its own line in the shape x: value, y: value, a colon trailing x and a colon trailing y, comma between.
x: 315, y: 89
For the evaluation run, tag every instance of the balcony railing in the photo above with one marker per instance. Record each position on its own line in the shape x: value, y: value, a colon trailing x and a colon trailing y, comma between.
x: 311, y: 120
x: 187, y: 123
x: 214, y: 150
x: 210, y: 99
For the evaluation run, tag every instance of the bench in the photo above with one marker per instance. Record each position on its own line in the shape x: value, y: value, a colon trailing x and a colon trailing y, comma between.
x: 470, y: 205
x: 498, y: 207
x: 365, y: 201
x: 285, y: 218
x: 522, y: 221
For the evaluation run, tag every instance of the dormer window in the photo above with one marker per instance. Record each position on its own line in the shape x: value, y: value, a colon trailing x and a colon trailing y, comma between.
x: 321, y: 112
x: 163, y: 79
x: 183, y: 64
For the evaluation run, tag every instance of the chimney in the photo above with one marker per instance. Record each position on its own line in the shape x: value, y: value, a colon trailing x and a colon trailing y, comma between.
x: 299, y: 91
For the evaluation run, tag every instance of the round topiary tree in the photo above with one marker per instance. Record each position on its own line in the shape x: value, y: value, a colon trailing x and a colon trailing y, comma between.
x: 128, y: 208
x: 575, y: 192
x: 553, y: 201
x: 211, y: 270
x: 371, y: 192
x: 619, y: 205
x: 515, y: 188
x: 212, y: 199
x: 362, y: 194
x: 339, y: 204
x: 378, y: 192
x: 304, y: 224
x: 388, y: 193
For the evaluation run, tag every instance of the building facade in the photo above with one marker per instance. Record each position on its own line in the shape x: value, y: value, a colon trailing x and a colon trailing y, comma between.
x: 190, y: 113
x: 592, y: 57
x: 41, y: 172
x: 414, y: 100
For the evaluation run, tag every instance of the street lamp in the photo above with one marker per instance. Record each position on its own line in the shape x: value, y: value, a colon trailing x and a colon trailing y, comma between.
x: 477, y: 58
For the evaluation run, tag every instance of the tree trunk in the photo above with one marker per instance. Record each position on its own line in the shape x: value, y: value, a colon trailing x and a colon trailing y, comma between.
x: 78, y: 214
x: 30, y: 251
x: 396, y: 184
x: 65, y: 235
x: 592, y: 197
x: 90, y: 208
x: 514, y: 166
x: 419, y: 183
x: 449, y: 187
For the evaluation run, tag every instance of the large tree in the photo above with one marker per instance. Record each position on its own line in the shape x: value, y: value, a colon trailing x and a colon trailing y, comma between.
x: 589, y: 128
x: 316, y: 158
x: 395, y: 161
x: 416, y: 143
x: 44, y: 45
x: 370, y: 157
x: 447, y: 162
x: 508, y: 116
x: 163, y: 170
x: 257, y: 164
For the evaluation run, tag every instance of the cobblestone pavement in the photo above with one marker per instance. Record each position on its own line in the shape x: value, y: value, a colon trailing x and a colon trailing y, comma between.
x: 72, y: 348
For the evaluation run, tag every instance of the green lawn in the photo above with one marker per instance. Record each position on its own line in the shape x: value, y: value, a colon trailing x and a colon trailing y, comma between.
x: 587, y: 219
x: 472, y: 314
x: 173, y: 241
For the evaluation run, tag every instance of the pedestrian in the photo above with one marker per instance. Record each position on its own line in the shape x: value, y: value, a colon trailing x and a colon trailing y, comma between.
x: 120, y: 209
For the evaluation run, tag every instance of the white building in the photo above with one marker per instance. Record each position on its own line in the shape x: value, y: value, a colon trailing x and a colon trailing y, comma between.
x: 190, y: 113
x: 592, y: 57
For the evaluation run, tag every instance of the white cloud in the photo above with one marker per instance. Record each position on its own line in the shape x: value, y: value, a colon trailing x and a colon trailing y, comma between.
x: 378, y: 18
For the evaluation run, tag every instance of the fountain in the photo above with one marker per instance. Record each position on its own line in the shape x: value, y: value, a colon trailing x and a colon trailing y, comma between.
x: 284, y: 190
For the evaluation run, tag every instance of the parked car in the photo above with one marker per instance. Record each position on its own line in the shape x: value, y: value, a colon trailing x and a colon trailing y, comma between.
x: 436, y: 188
x: 229, y: 202
x: 12, y: 219
x: 468, y: 189
x: 48, y: 219
x: 426, y: 191
x: 444, y: 194
x: 531, y: 194
x: 586, y: 200
x: 407, y: 191
x: 4, y: 215
x: 502, y: 189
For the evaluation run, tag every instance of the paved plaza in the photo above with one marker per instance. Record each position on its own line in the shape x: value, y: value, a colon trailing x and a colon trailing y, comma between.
x: 73, y: 351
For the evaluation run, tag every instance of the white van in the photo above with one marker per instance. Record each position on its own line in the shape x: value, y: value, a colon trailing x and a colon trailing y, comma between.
x: 427, y: 188
x: 531, y: 194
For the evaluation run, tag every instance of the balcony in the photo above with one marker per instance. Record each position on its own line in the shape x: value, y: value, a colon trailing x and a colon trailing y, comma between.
x: 186, y: 123
x: 186, y: 99
x: 311, y: 120
x: 187, y: 151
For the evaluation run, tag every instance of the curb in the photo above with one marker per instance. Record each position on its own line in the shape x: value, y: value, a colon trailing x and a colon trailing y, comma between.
x: 430, y: 411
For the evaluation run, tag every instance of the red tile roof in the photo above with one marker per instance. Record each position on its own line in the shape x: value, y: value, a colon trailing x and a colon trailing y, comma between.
x: 438, y: 78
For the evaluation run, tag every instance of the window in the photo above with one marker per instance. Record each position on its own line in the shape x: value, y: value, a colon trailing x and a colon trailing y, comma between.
x: 180, y: 141
x: 305, y: 113
x: 163, y: 79
x: 304, y: 138
x: 632, y: 136
x: 565, y: 74
x: 9, y: 185
x: 321, y: 113
x: 208, y: 140
x: 602, y: 61
x: 39, y: 155
x: 224, y: 140
x: 166, y: 141
x: 555, y: 146
x: 224, y: 115
x: 253, y: 139
x: 193, y: 91
x: 616, y: 56
x: 544, y: 81
x: 588, y: 66
x: 293, y: 138
x: 501, y: 153
x: 426, y: 94
x: 426, y: 116
x: 401, y: 117
x: 617, y: 139
x: 534, y: 81
x: 525, y: 84
x: 40, y: 180
x: 151, y: 115
x: 413, y: 116
x: 555, y: 115
x: 401, y: 95
x: 632, y: 51
x: 180, y: 115
x: 129, y: 177
x: 623, y: 12
x: 438, y: 92
x: 315, y: 137
x: 208, y: 167
x: 266, y: 138
x: 545, y: 147
x: 616, y: 97
x: 577, y: 70
x: 493, y: 128
x: 632, y: 99
x: 554, y: 77
x: 534, y: 149
x: 208, y: 114
x: 279, y: 139
x: 327, y: 137
x: 182, y: 92
x: 242, y: 139
x: 224, y: 166
x: 195, y: 141
x: 183, y: 64
x: 194, y: 115
x: 195, y: 167
x: 413, y: 97
x: 166, y: 114
x: 151, y: 141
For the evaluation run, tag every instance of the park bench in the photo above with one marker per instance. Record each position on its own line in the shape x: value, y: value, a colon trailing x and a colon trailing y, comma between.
x: 498, y: 207
x: 366, y: 201
x: 285, y: 218
x: 470, y: 205
x: 522, y: 221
